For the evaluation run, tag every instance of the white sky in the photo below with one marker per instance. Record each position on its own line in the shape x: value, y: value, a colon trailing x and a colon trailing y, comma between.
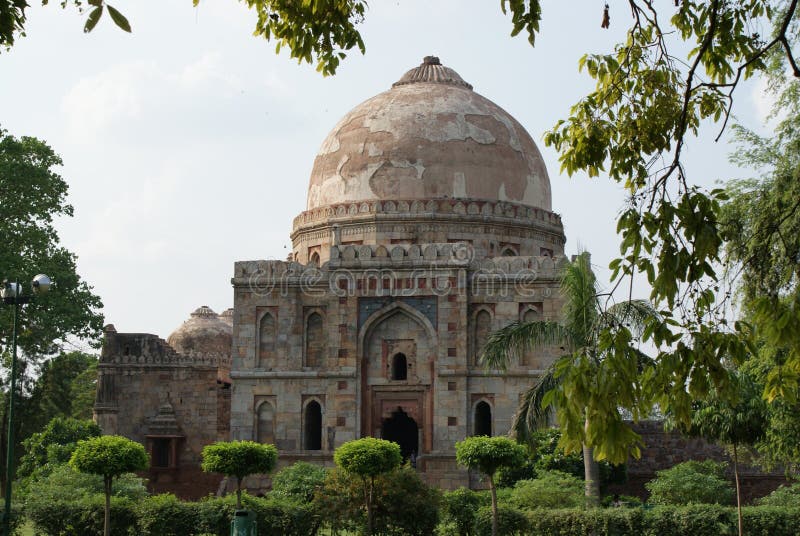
x: 188, y: 144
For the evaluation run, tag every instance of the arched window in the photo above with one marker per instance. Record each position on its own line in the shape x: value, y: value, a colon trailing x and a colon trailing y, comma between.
x: 483, y: 326
x: 266, y: 340
x: 508, y: 252
x: 528, y: 357
x: 314, y: 259
x: 312, y: 431
x: 266, y: 423
x: 482, y: 424
x: 399, y: 367
x: 315, y: 344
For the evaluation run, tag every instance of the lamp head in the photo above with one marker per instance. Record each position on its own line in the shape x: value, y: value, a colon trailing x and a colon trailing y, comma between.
x: 10, y: 289
x: 41, y: 284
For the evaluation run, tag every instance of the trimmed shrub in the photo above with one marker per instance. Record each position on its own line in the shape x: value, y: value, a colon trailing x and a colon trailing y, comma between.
x: 83, y: 517
x: 552, y: 489
x: 691, y: 483
x: 459, y: 508
x: 64, y: 483
x: 166, y: 515
x: 403, y: 503
x: 596, y: 521
x: 406, y: 504
x: 510, y: 521
x: 771, y: 520
x: 298, y: 481
x: 695, y: 519
x: 273, y: 515
x: 783, y: 496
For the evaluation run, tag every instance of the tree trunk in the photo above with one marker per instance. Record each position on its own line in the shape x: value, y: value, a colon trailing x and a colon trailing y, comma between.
x: 738, y: 490
x: 591, y: 472
x: 494, y: 505
x: 238, y: 493
x: 368, y: 499
x: 107, y: 518
x: 3, y: 442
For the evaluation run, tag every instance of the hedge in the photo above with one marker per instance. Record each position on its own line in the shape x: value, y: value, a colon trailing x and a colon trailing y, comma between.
x: 165, y: 515
x: 697, y: 520
x: 83, y: 517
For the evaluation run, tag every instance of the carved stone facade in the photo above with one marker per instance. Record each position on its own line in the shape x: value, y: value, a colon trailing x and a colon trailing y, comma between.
x: 173, y: 402
x: 428, y: 226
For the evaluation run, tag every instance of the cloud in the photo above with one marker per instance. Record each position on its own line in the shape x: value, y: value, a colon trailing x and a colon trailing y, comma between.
x: 208, y: 69
x: 130, y: 227
x: 763, y: 100
x: 97, y: 101
x: 127, y: 93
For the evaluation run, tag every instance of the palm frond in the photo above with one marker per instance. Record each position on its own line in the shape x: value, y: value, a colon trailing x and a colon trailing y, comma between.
x: 633, y: 314
x: 579, y: 288
x: 517, y: 337
x: 532, y: 414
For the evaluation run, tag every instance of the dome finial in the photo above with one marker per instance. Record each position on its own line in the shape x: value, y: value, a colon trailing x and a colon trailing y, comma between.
x: 432, y: 71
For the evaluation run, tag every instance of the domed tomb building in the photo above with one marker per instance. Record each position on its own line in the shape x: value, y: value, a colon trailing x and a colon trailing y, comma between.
x: 428, y: 226
x: 172, y: 396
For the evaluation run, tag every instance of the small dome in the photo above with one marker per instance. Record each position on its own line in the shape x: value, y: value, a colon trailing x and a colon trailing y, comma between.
x: 227, y: 316
x: 429, y: 137
x: 204, y: 334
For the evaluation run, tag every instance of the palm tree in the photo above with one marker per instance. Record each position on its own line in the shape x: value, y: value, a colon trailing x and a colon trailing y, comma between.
x: 583, y: 322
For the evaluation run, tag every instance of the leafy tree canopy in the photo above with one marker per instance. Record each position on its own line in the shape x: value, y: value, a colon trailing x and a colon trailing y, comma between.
x: 109, y: 456
x: 488, y: 454
x: 368, y: 456
x: 33, y: 196
x: 55, y: 444
x: 239, y: 458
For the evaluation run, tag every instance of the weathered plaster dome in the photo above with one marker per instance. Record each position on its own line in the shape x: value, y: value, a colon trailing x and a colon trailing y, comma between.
x: 429, y: 137
x: 204, y: 334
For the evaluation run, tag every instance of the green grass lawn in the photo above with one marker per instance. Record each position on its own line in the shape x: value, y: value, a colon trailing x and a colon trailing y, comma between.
x: 27, y: 529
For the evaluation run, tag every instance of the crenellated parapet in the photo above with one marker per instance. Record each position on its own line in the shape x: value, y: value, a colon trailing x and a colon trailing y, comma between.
x: 145, y: 349
x: 440, y: 255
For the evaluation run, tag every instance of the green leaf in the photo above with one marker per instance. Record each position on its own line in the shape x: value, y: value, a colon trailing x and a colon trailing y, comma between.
x: 119, y: 19
x: 94, y: 17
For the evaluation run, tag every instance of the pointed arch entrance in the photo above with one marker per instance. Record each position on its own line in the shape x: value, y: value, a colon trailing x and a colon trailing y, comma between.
x: 397, y: 347
x: 403, y: 430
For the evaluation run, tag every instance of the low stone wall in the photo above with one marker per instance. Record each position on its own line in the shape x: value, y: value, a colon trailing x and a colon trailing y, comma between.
x: 665, y: 449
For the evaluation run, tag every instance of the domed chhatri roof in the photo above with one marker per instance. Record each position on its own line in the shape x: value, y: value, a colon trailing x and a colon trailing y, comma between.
x: 227, y: 316
x: 204, y: 334
x: 429, y: 137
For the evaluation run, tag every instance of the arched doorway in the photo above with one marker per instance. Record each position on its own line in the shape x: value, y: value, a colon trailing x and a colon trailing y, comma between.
x: 483, y: 419
x: 313, y: 426
x: 403, y: 430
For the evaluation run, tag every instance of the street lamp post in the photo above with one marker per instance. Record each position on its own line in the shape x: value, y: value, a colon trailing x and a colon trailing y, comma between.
x: 12, y: 295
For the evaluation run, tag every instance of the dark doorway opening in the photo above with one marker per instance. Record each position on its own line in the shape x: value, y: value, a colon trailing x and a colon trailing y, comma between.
x: 313, y: 426
x: 483, y: 419
x: 399, y: 367
x: 161, y: 448
x: 402, y: 429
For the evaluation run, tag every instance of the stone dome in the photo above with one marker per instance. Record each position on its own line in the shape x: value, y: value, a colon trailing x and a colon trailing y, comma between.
x: 204, y: 334
x: 429, y: 137
x: 227, y: 316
